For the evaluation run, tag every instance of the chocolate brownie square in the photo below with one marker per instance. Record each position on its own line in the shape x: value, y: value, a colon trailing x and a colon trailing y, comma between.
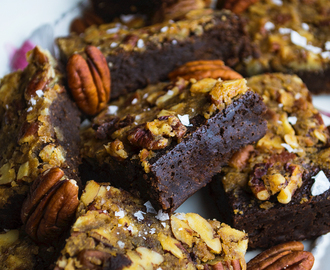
x: 277, y: 190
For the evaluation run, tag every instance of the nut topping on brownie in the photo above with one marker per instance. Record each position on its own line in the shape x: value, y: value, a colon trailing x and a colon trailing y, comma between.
x: 277, y: 190
x: 144, y: 140
x: 35, y: 112
x: 115, y: 228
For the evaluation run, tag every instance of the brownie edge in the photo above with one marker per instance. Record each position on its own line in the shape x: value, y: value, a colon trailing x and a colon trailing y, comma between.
x: 178, y: 172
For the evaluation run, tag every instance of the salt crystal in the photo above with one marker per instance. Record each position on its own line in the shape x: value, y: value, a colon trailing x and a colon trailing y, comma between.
x: 279, y: 122
x: 297, y: 96
x: 321, y: 184
x: 305, y: 26
x: 313, y: 49
x: 164, y: 29
x: 145, y: 95
x: 85, y: 124
x: 29, y: 109
x: 140, y: 43
x: 150, y: 208
x: 170, y: 92
x: 112, y: 109
x: 164, y: 224
x: 290, y: 149
x: 134, y: 101
x: 174, y: 42
x: 162, y: 216
x: 277, y: 2
x: 185, y: 120
x: 33, y: 101
x: 108, y: 188
x: 284, y: 31
x: 120, y: 213
x: 139, y: 215
x: 297, y: 39
x: 39, y: 93
x: 269, y: 26
x: 327, y: 45
x: 127, y: 18
x: 152, y: 231
x: 280, y: 105
x: 325, y: 55
x: 113, y: 30
x: 121, y: 244
x: 113, y: 44
x: 292, y: 120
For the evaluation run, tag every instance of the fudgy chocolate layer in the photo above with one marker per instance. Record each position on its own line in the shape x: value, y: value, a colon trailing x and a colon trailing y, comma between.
x: 179, y: 171
x: 297, y: 220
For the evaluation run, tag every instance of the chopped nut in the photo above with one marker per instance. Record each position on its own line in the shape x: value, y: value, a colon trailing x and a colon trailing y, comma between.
x: 144, y: 258
x: 203, y: 86
x: 181, y: 230
x: 171, y: 245
x: 204, y: 229
x: 224, y: 91
x: 90, y: 192
x: 7, y: 174
x: 116, y: 149
x: 8, y: 238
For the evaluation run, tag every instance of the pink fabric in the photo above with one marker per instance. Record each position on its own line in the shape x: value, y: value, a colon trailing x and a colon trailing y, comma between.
x: 18, y: 60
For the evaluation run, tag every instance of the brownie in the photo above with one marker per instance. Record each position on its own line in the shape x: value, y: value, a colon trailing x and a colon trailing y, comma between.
x: 277, y: 190
x: 153, y: 10
x: 145, y: 56
x: 292, y: 37
x: 116, y: 230
x: 39, y: 130
x: 166, y: 141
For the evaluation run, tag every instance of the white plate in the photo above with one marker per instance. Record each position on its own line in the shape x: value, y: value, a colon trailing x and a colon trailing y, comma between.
x: 20, y: 18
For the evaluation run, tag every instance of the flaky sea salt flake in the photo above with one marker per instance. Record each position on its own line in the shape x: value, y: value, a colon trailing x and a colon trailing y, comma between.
x: 185, y: 120
x: 292, y: 120
x: 297, y: 39
x: 269, y: 26
x: 321, y: 184
x: 150, y: 208
x: 139, y: 215
x: 162, y: 216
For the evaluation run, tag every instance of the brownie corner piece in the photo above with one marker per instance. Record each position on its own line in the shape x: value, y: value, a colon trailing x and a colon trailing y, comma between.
x: 39, y: 130
x: 166, y: 141
x: 277, y: 190
x: 117, y: 230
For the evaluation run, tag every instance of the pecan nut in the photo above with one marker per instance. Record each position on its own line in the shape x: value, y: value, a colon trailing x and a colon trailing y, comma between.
x: 226, y: 265
x: 204, y: 69
x: 290, y: 255
x: 238, y: 6
x: 89, y: 80
x: 49, y: 206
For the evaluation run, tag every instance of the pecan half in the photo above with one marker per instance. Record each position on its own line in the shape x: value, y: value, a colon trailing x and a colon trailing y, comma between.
x: 204, y: 69
x: 289, y: 255
x: 50, y: 206
x: 89, y: 80
x: 238, y: 6
x: 227, y: 265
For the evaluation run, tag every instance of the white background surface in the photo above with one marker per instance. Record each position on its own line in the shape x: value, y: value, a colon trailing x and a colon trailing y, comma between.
x: 19, y: 19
